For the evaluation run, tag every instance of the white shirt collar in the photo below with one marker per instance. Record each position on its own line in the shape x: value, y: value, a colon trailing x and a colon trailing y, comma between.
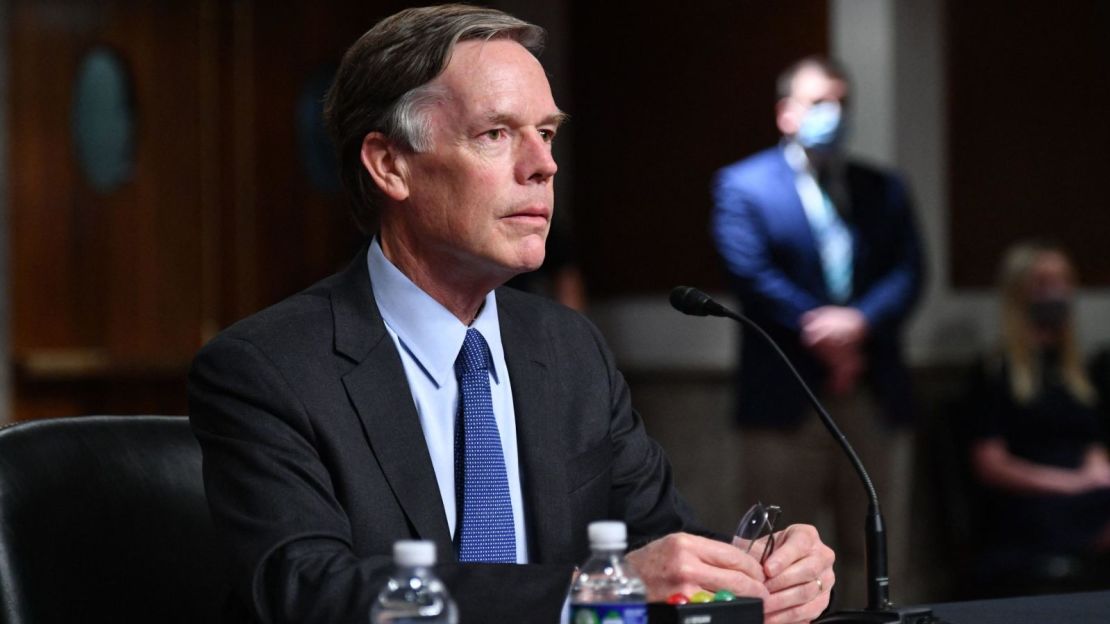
x: 430, y: 333
x: 799, y: 161
x: 796, y: 157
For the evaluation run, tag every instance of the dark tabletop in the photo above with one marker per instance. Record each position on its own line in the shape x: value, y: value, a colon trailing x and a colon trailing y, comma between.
x: 1070, y: 608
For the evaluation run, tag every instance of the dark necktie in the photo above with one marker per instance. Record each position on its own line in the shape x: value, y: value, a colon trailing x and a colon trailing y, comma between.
x: 834, y: 240
x: 484, y: 532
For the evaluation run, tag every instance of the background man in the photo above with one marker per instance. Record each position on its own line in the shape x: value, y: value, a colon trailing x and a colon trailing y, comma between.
x: 405, y: 397
x: 823, y: 253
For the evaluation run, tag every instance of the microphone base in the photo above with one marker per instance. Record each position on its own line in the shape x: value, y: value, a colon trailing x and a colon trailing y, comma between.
x: 902, y: 615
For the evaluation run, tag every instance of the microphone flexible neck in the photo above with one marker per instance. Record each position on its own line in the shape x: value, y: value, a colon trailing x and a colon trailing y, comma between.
x: 826, y: 419
x: 692, y: 301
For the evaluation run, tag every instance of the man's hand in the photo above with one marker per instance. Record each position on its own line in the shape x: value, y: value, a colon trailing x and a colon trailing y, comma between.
x: 833, y: 327
x: 835, y: 335
x: 685, y: 563
x: 787, y: 582
x: 799, y: 575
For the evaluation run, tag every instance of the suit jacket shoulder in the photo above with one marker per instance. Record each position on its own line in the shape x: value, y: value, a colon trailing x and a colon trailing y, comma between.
x: 754, y: 170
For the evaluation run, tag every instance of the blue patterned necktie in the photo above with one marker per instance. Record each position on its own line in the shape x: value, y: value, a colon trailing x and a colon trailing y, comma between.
x: 485, y: 530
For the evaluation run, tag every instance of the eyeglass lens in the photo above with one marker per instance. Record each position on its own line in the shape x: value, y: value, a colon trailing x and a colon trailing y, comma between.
x: 757, y: 522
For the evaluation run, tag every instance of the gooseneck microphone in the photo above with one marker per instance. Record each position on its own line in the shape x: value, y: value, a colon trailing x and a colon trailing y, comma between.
x: 694, y: 302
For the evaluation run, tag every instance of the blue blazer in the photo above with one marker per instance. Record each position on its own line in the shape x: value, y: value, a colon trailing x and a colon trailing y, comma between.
x: 763, y: 235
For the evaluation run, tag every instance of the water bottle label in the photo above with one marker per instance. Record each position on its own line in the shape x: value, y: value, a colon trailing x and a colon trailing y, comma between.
x: 608, y: 614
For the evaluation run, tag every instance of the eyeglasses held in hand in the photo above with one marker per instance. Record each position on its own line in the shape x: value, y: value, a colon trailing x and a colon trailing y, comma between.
x: 758, y: 522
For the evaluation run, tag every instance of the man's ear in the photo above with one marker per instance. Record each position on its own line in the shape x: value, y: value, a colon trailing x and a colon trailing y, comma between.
x: 786, y: 117
x: 386, y: 164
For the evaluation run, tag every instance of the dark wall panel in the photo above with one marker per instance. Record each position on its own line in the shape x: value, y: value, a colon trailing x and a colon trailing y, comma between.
x: 1029, y: 134
x: 665, y: 93
x: 114, y: 290
x: 106, y: 282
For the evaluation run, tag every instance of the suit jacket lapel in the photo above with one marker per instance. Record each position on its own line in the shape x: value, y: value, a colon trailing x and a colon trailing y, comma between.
x: 538, y: 422
x: 379, y: 392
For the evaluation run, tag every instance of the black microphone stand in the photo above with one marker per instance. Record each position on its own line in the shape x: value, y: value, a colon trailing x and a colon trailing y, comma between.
x: 879, y: 607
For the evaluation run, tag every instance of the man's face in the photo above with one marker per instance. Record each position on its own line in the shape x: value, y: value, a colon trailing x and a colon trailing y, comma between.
x: 481, y: 198
x: 811, y: 86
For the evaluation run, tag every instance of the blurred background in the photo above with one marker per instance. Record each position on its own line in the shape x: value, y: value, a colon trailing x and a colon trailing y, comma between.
x: 163, y: 173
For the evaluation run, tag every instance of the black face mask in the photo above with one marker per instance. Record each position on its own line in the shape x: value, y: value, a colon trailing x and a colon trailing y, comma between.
x: 1049, y: 314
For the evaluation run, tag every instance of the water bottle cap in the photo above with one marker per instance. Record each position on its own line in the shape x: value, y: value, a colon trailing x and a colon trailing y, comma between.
x: 414, y: 553
x: 609, y: 534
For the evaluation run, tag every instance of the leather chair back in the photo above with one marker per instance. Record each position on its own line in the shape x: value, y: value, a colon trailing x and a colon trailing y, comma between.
x: 104, y: 519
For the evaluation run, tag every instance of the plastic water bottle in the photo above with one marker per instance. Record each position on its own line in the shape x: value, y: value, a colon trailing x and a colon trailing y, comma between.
x: 414, y: 594
x: 607, y: 589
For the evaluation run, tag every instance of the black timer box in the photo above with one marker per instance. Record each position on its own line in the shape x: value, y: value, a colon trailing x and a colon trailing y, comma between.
x: 738, y: 611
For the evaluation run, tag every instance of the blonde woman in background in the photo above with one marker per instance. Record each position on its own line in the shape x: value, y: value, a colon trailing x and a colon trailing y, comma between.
x: 1037, y: 445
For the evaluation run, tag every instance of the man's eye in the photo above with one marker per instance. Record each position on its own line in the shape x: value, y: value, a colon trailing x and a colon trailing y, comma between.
x: 548, y: 135
x: 495, y: 134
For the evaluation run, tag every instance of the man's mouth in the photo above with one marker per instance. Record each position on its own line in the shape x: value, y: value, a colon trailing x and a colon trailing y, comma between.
x: 530, y: 216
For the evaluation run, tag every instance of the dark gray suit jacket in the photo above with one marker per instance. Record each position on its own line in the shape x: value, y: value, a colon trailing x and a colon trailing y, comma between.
x: 315, y: 461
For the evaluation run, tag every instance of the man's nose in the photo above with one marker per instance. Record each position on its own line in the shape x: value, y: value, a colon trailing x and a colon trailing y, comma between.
x: 535, y: 163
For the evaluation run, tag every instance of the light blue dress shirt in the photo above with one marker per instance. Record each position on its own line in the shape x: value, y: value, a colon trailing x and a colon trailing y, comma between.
x: 831, y: 233
x: 429, y: 338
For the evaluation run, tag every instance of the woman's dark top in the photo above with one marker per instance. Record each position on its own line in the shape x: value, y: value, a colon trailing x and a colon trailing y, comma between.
x: 1054, y: 429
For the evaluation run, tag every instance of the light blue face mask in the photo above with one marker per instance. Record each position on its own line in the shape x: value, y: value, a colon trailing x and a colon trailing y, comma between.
x: 822, y: 127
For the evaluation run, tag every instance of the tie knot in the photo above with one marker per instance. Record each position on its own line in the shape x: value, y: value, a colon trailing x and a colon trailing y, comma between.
x: 474, y: 355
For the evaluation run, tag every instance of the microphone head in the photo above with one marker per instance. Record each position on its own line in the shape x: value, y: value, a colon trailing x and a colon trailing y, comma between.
x: 690, y: 300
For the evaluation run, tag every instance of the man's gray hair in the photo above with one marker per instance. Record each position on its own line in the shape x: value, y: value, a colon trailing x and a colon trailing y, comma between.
x: 382, y: 85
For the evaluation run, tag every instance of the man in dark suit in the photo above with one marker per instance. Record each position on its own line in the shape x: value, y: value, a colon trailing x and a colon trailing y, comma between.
x: 824, y: 254
x: 341, y: 419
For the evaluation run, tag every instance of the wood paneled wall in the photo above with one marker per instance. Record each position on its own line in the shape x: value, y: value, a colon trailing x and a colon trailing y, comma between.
x: 112, y: 293
x: 665, y: 94
x: 1029, y: 133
